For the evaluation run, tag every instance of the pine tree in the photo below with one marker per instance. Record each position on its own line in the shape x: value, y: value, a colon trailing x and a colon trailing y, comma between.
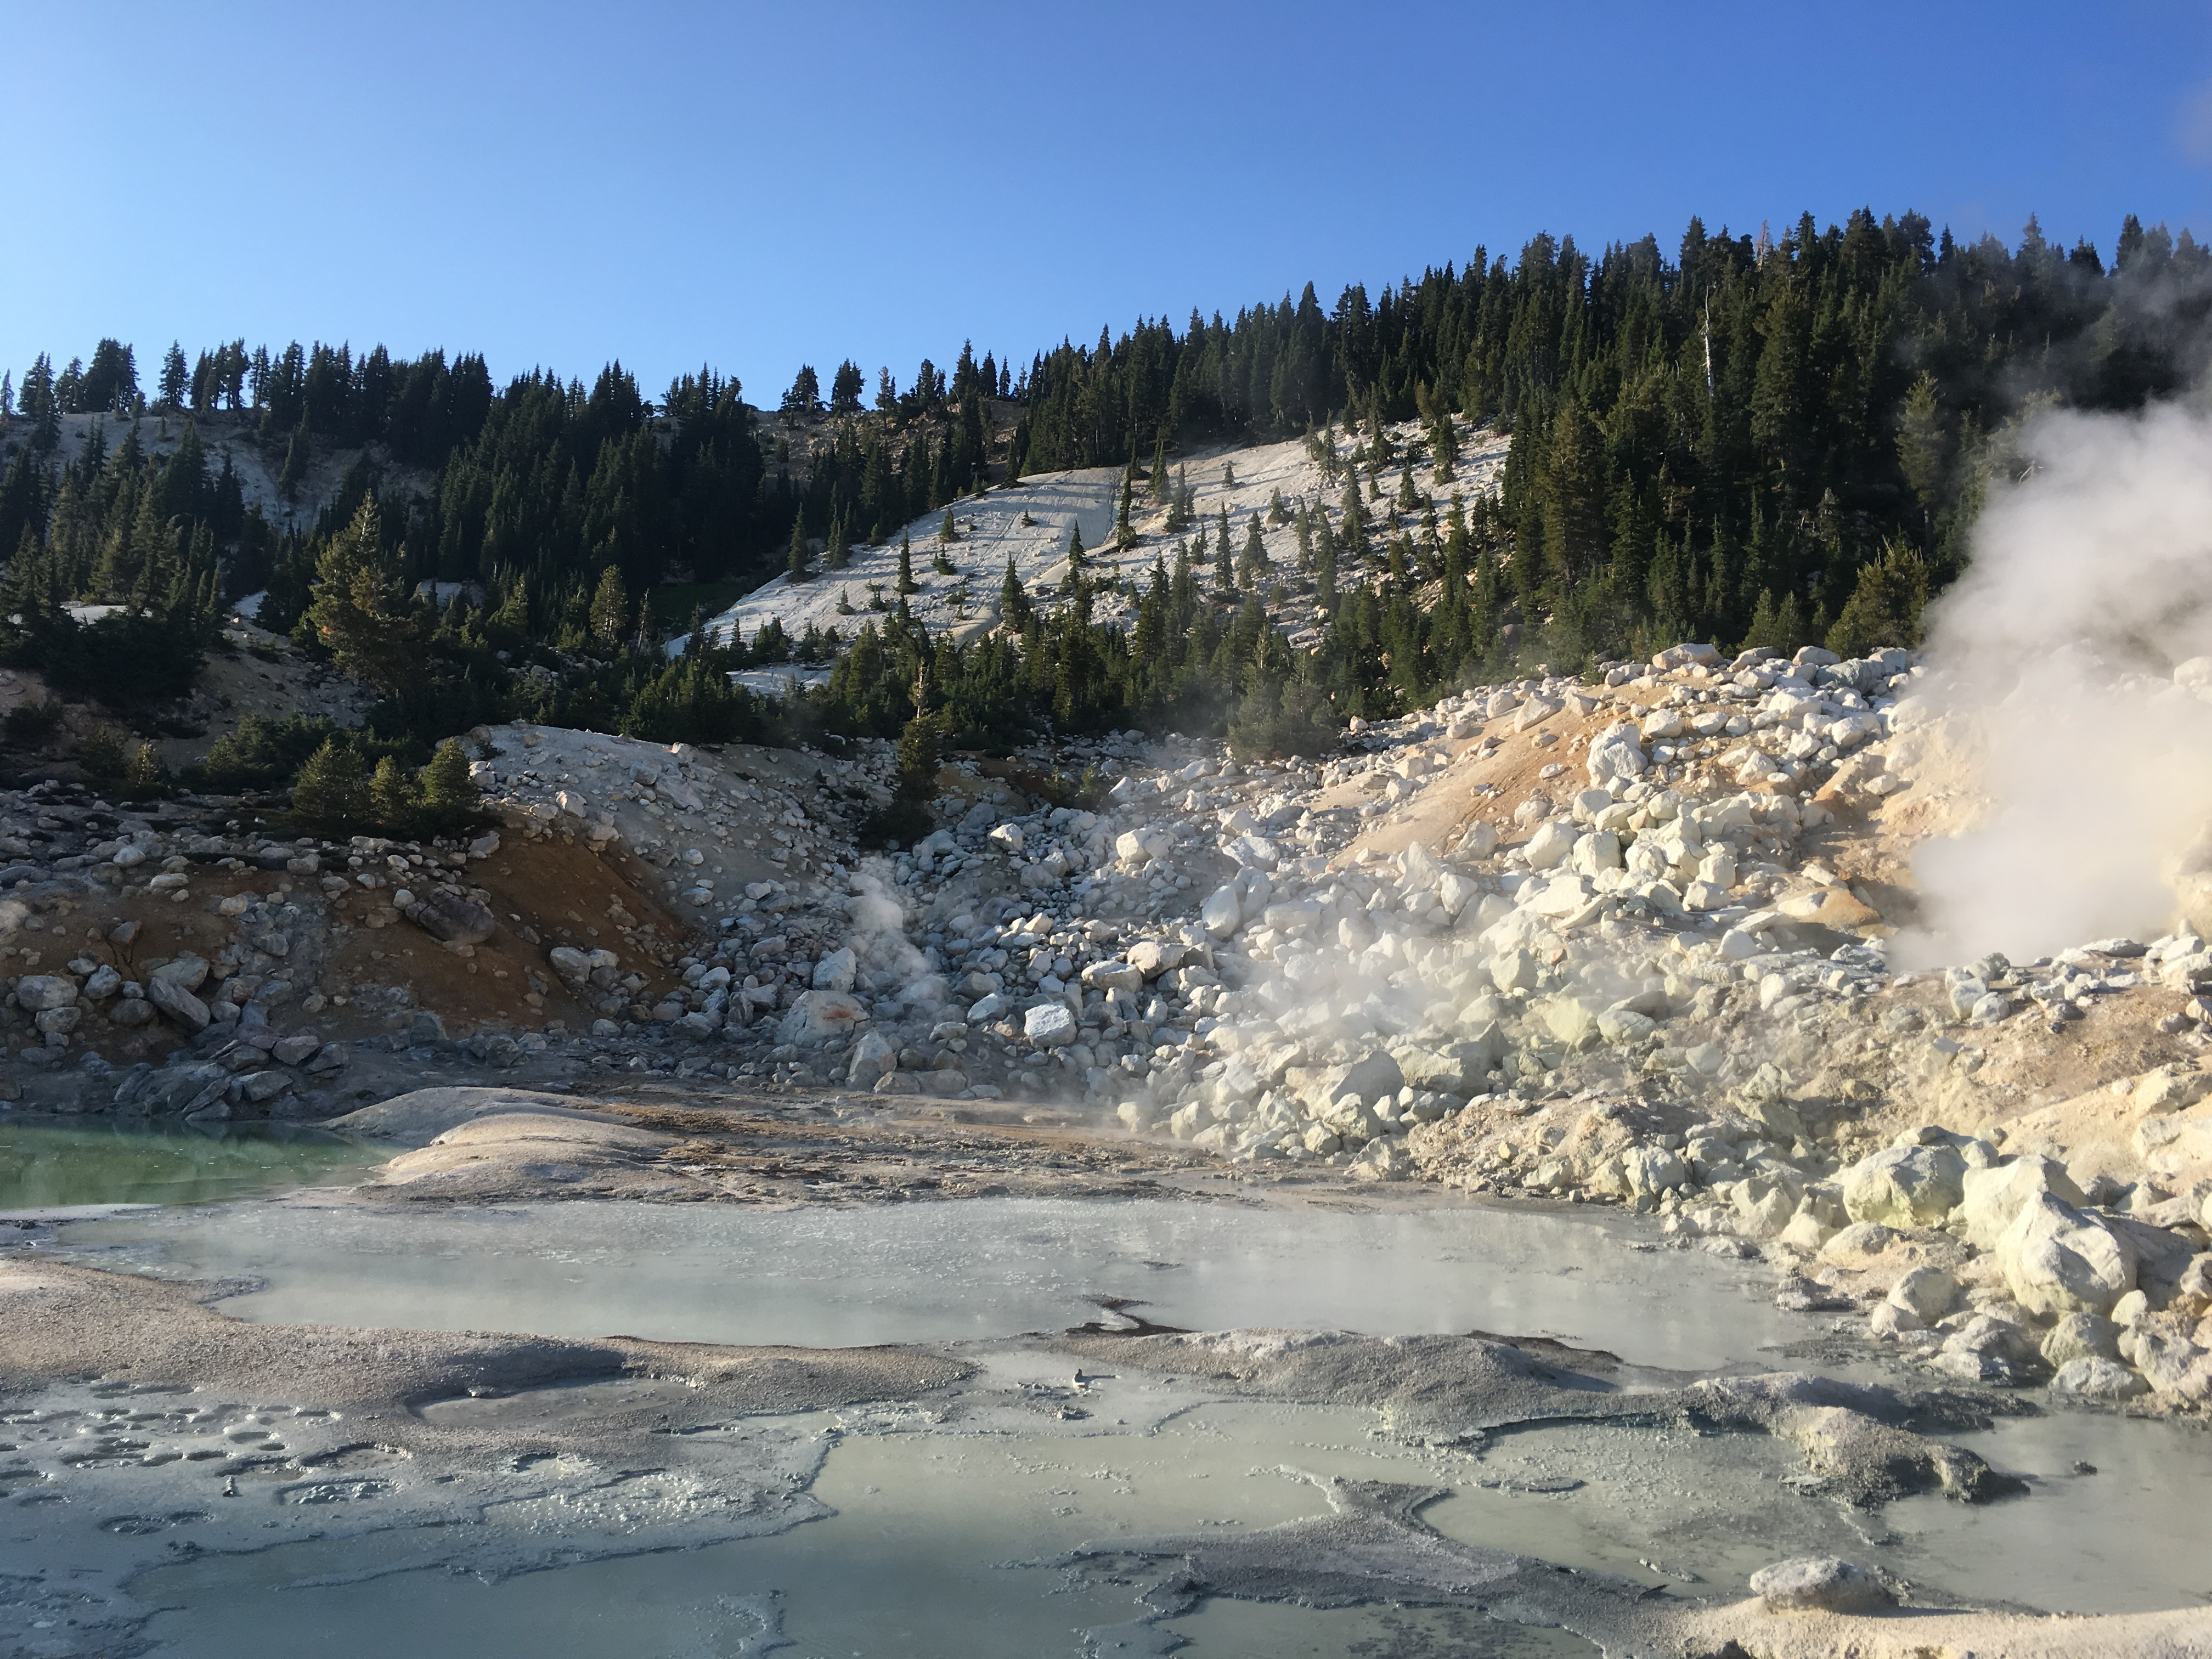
x: 945, y: 532
x: 1014, y: 607
x: 174, y: 377
x: 393, y: 797
x: 1124, y: 537
x: 331, y: 793
x: 906, y: 582
x: 450, y: 800
x: 1157, y: 487
x: 358, y: 613
x: 610, y: 614
x: 1229, y: 475
x: 799, y: 560
x: 1252, y: 564
x: 143, y: 777
x: 839, y: 541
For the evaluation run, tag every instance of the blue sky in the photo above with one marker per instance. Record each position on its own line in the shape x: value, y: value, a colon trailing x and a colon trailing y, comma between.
x: 759, y: 187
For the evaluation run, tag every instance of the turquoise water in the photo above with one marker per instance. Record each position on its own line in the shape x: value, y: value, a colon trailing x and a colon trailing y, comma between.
x: 49, y: 1162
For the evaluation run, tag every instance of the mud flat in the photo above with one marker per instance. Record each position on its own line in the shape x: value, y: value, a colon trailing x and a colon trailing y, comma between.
x: 970, y: 1428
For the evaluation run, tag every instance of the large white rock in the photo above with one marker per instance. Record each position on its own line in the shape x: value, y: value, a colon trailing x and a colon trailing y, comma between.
x: 1223, y: 913
x: 2091, y: 1377
x: 1552, y: 843
x: 1152, y: 957
x: 1113, y: 976
x: 818, y: 1015
x: 1990, y: 1200
x: 1048, y: 1025
x: 1650, y: 1171
x: 1370, y: 1076
x: 835, y: 971
x: 2060, y: 1260
x: 1456, y: 1068
x: 1904, y: 1185
x: 1008, y: 836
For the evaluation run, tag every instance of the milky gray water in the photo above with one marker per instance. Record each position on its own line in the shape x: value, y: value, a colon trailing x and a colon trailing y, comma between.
x: 959, y: 1271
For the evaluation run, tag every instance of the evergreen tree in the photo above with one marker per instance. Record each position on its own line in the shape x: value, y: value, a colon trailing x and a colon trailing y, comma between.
x: 393, y: 797
x: 610, y: 614
x: 798, y: 561
x: 1252, y: 567
x: 174, y: 379
x: 358, y: 613
x: 331, y: 794
x: 450, y: 800
x: 906, y: 582
x: 1014, y: 607
x: 1157, y: 486
x: 946, y: 534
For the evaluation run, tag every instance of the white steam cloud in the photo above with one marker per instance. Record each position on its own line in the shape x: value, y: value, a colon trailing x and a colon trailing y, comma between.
x: 2077, y: 652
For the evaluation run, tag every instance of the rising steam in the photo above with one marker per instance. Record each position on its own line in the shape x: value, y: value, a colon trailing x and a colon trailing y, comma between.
x: 2076, y: 651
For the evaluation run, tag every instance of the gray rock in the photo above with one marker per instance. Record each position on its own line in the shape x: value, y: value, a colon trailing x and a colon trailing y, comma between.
x: 103, y: 983
x: 1049, y: 1025
x: 177, y: 1002
x: 988, y: 1008
x: 573, y: 966
x: 871, y: 1057
x: 1155, y: 956
x: 38, y: 994
x: 330, y: 1057
x: 296, y: 1049
x: 1819, y: 1584
x: 836, y: 971
x: 451, y: 918
x: 1369, y: 1077
x: 188, y: 972
x: 258, y: 1086
x: 818, y: 1015
x: 130, y: 1011
x: 1113, y: 976
x: 1456, y: 1068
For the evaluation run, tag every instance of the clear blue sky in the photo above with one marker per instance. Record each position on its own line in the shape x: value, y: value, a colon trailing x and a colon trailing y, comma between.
x: 561, y: 185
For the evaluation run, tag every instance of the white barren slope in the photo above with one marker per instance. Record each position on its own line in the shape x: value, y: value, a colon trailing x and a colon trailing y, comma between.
x: 1032, y: 522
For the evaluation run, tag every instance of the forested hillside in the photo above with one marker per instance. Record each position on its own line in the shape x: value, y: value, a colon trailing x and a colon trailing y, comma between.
x: 1757, y: 439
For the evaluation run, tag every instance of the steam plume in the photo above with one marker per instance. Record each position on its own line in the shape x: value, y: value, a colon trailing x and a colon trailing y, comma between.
x: 2077, y: 652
